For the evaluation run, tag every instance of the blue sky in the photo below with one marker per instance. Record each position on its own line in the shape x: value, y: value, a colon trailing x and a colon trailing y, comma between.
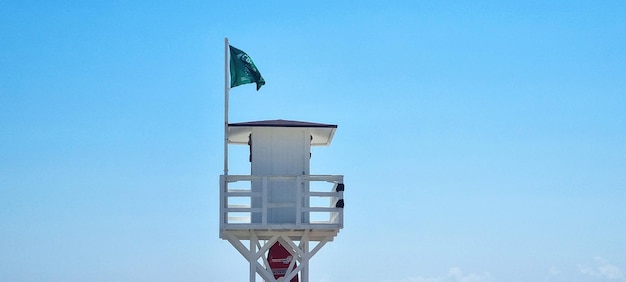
x: 479, y: 141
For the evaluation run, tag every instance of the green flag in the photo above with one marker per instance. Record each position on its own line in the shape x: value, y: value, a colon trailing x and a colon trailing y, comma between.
x: 243, y: 70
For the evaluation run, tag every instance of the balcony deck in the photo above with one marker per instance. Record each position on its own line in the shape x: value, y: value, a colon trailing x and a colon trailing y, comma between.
x: 317, y: 210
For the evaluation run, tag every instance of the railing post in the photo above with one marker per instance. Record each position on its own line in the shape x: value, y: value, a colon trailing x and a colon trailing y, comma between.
x: 264, y: 195
x: 299, y: 195
x: 223, y: 186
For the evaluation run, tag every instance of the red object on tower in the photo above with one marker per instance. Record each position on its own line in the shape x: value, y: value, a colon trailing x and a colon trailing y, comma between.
x: 279, y: 259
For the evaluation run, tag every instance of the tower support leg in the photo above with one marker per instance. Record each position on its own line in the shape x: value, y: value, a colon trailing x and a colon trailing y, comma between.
x: 258, y: 249
x: 253, y: 245
x: 304, y: 246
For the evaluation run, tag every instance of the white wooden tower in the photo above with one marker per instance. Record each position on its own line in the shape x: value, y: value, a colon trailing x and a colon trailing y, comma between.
x: 280, y: 203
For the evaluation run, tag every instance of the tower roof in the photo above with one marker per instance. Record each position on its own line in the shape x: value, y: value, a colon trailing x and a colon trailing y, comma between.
x: 322, y: 133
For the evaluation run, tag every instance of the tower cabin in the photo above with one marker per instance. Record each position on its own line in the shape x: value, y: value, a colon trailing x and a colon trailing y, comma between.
x: 280, y: 201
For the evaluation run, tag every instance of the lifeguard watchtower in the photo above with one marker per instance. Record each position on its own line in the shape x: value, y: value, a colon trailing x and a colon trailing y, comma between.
x: 280, y: 215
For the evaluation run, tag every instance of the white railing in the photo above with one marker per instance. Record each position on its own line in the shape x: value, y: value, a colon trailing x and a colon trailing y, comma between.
x: 245, y: 204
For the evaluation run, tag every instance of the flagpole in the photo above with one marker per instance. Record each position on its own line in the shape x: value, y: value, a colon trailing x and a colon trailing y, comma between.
x: 226, y: 89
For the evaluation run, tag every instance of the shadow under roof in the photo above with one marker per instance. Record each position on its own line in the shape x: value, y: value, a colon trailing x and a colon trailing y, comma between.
x: 322, y: 133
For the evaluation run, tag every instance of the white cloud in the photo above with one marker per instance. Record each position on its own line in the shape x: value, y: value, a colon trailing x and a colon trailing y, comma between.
x: 556, y: 274
x: 554, y: 271
x: 458, y: 276
x: 422, y: 279
x: 603, y: 269
x: 454, y: 275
